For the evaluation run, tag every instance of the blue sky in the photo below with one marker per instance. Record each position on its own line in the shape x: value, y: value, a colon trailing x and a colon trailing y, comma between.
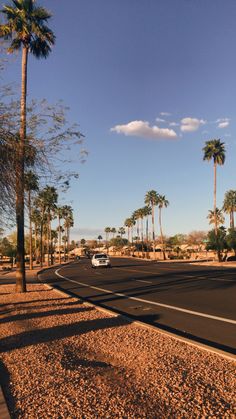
x: 149, y: 82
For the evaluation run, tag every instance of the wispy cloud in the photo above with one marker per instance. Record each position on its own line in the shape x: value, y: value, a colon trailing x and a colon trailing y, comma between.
x: 222, y: 122
x: 160, y: 120
x: 191, y: 124
x: 173, y: 124
x: 165, y: 113
x: 144, y: 130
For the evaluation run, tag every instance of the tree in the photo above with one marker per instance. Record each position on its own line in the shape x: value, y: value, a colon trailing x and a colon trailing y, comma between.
x: 217, y: 241
x: 229, y: 205
x: 26, y: 29
x: 61, y: 213
x: 231, y: 239
x: 121, y: 231
x: 31, y: 185
x: 113, y: 231
x: 151, y: 198
x: 107, y: 232
x: 99, y: 239
x: 214, y: 150
x: 216, y: 216
x: 162, y: 203
x: 119, y: 242
x: 128, y: 223
x: 147, y: 210
x: 68, y: 223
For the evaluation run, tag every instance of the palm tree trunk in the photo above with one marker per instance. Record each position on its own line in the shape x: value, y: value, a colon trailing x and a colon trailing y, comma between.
x: 30, y: 231
x: 231, y: 218
x: 162, y: 239
x: 20, y: 273
x: 153, y: 232
x: 48, y: 233
x: 215, y: 217
x: 59, y: 238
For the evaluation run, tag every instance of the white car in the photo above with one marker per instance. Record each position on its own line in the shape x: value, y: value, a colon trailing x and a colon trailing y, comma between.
x: 101, y: 259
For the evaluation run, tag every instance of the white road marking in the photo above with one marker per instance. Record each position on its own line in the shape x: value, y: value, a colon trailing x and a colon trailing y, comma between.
x: 146, y: 282
x: 195, y: 313
x: 157, y: 274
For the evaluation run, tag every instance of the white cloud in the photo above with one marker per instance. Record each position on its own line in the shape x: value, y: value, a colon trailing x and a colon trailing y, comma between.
x: 191, y: 124
x: 144, y: 130
x: 160, y: 120
x: 165, y: 113
x: 223, y: 122
x: 173, y: 124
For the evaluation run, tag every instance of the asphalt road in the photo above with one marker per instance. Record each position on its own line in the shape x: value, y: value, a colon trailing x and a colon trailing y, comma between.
x: 193, y: 301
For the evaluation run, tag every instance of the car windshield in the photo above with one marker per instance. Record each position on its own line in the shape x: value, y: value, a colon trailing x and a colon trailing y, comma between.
x: 101, y: 256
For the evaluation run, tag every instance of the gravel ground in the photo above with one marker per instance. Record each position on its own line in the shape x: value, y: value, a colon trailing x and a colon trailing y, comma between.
x: 61, y: 358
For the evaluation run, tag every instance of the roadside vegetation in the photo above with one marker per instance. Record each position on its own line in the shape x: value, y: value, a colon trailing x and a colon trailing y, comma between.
x: 32, y: 137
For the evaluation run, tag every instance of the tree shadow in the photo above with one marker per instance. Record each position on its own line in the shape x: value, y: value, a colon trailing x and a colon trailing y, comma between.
x: 35, y: 337
x: 38, y: 315
x: 5, y: 380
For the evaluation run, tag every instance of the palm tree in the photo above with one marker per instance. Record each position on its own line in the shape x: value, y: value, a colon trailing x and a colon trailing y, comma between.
x: 162, y: 203
x: 46, y: 201
x: 68, y: 223
x: 147, y: 210
x: 128, y: 223
x: 31, y: 184
x: 121, y: 231
x: 229, y: 205
x: 25, y: 28
x: 151, y: 198
x: 113, y: 231
x: 99, y: 239
x: 61, y: 213
x: 214, y: 150
x: 107, y: 232
x: 135, y: 216
x: 217, y: 215
x: 36, y: 220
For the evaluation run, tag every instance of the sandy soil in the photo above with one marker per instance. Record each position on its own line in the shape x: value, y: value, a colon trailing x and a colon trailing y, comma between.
x: 61, y: 358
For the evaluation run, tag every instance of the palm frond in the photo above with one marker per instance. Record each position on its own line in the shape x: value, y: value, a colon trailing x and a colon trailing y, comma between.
x: 15, y: 45
x: 40, y: 48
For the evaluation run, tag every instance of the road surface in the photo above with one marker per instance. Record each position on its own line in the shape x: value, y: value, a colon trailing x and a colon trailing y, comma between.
x: 197, y: 302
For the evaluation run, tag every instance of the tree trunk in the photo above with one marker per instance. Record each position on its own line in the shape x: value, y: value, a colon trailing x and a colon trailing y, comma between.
x: 162, y: 240
x: 48, y: 239
x: 20, y: 272
x: 215, y: 218
x: 59, y: 238
x: 153, y: 232
x: 232, y: 219
x: 30, y: 232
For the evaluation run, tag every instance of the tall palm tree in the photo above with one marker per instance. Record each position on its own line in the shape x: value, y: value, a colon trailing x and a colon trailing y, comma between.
x: 61, y: 213
x: 162, y: 203
x: 31, y: 184
x: 135, y: 217
x: 217, y: 215
x: 68, y: 223
x: 107, y: 232
x: 214, y: 150
x: 128, y: 223
x: 229, y: 205
x: 121, y: 231
x: 26, y: 29
x: 147, y: 211
x: 113, y: 231
x: 151, y: 198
